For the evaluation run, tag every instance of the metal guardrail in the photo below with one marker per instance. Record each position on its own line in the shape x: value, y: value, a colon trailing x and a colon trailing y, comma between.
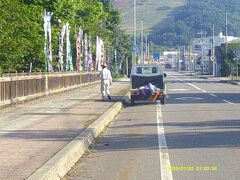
x: 20, y: 87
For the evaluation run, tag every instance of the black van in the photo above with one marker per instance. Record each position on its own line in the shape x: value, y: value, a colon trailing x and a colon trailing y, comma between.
x: 147, y: 82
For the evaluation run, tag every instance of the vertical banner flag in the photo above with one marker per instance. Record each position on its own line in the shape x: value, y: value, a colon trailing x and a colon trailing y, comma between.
x: 83, y: 50
x: 48, y: 40
x: 102, y: 53
x: 90, y: 60
x: 86, y: 52
x: 99, y: 53
x: 79, y: 52
x: 98, y: 56
x: 59, y: 46
x: 69, y: 65
x: 62, y: 31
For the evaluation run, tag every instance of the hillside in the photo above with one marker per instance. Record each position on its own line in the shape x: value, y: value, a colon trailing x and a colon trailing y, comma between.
x: 174, y: 24
x: 152, y: 12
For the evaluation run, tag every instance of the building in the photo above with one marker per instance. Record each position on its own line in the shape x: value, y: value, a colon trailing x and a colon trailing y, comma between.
x: 171, y: 59
x: 203, y: 47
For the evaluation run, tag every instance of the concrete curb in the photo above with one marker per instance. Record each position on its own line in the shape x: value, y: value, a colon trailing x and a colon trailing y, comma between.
x: 230, y: 82
x: 64, y: 160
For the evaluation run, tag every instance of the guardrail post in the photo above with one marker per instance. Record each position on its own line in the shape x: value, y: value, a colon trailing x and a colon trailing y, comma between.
x: 10, y: 90
x: 46, y: 83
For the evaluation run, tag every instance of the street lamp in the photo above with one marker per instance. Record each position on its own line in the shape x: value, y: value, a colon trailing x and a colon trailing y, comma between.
x: 142, y: 60
x: 201, y: 34
x: 213, y: 51
x: 226, y: 31
x: 135, y: 34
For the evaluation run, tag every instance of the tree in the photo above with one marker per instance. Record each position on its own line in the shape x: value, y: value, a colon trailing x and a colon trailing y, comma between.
x: 22, y: 36
x: 19, y: 29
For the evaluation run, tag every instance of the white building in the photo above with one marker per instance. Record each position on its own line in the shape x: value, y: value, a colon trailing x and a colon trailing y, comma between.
x: 203, y: 48
x: 171, y: 59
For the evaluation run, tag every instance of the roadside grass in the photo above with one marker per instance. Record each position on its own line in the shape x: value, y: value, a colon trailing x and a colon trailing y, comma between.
x: 235, y: 78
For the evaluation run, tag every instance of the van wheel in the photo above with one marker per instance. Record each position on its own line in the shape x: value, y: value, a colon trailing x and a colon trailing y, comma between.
x: 163, y: 101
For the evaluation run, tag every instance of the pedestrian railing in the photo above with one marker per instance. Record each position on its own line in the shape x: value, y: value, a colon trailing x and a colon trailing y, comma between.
x: 15, y: 88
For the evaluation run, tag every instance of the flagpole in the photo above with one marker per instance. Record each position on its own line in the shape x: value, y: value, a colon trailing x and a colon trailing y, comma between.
x: 86, y: 52
x: 67, y: 48
x: 59, y: 46
x: 90, y: 60
x: 142, y: 44
x: 48, y: 40
x: 78, y: 44
x: 50, y: 68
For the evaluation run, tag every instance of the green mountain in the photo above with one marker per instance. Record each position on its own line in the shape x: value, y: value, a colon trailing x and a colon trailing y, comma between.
x: 179, y: 24
x: 151, y: 12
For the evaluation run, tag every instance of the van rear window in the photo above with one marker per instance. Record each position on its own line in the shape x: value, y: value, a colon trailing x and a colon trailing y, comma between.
x: 139, y: 70
x: 147, y: 70
x: 154, y: 70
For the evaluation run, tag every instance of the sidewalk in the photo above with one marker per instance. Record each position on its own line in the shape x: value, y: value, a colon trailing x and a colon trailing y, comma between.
x: 32, y: 133
x: 227, y: 80
x: 220, y: 79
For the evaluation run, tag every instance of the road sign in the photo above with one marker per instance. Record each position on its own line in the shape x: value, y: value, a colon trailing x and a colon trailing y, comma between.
x: 135, y: 50
x: 156, y: 56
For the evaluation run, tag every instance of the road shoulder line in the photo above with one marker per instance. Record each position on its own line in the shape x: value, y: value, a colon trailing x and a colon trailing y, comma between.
x: 214, y: 95
x: 190, y: 84
x: 227, y: 101
x: 165, y: 165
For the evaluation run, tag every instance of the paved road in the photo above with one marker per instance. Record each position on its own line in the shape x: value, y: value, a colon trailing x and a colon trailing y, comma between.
x: 32, y: 133
x: 196, y: 135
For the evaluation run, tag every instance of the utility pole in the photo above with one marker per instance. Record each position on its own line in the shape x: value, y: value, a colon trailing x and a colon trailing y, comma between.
x: 226, y: 31
x: 237, y: 68
x: 201, y: 37
x: 190, y: 60
x: 179, y: 58
x: 213, y: 51
x: 201, y: 33
x: 115, y: 58
x: 126, y: 66
x: 135, y: 34
x: 142, y: 44
x: 146, y: 48
x: 184, y: 63
x: 226, y: 39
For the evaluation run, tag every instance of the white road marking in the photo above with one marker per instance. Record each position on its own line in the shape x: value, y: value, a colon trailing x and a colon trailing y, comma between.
x: 189, y: 98
x: 190, y: 84
x: 180, y: 79
x: 196, y: 87
x: 213, y: 95
x: 178, y: 89
x: 166, y: 173
x: 227, y: 101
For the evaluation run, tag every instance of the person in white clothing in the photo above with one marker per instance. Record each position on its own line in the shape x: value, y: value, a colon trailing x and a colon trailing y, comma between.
x: 106, y: 81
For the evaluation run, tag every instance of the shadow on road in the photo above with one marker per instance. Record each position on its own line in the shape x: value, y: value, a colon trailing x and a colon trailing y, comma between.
x: 207, y: 134
x: 41, y: 135
x: 228, y: 137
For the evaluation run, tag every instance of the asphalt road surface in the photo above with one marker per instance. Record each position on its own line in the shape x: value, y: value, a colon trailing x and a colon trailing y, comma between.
x: 194, y: 136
